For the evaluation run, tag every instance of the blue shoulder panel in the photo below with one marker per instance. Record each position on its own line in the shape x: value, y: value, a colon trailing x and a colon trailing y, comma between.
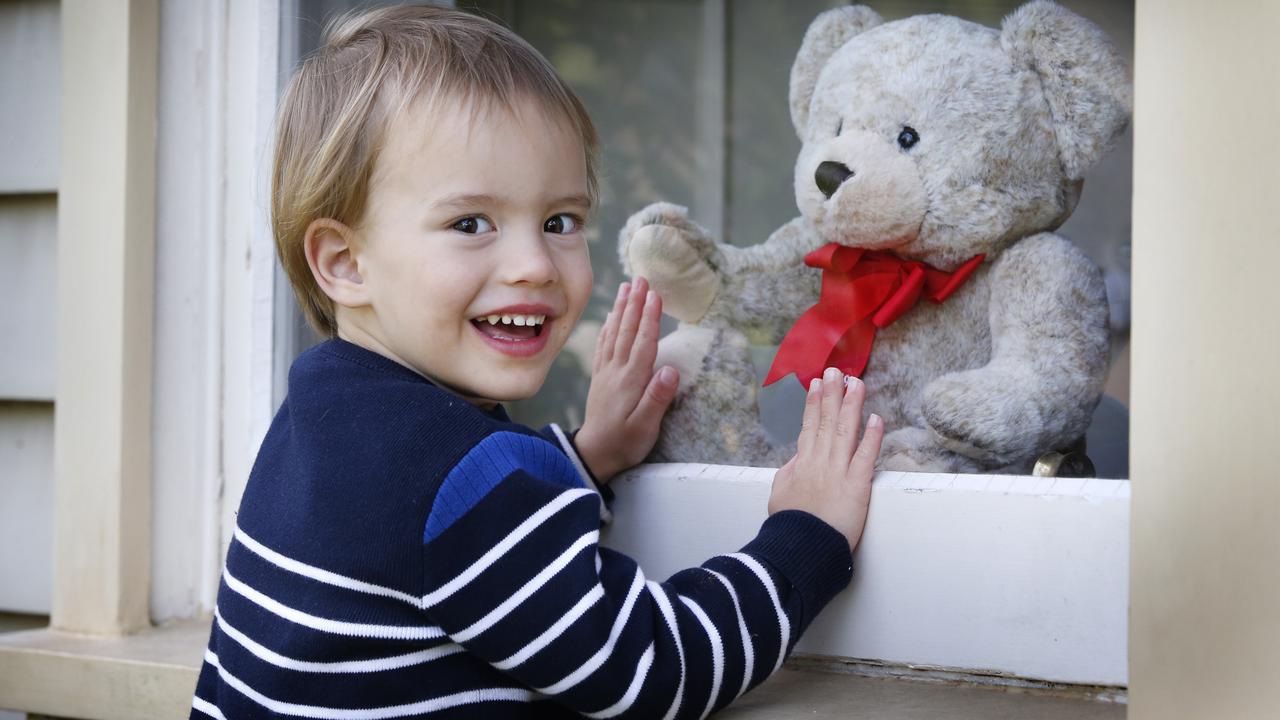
x: 491, y: 461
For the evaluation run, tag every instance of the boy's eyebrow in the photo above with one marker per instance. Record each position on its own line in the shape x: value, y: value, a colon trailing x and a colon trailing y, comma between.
x: 469, y: 200
x: 465, y: 200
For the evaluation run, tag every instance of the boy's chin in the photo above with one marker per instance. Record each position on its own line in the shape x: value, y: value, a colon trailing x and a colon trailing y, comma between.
x: 510, y: 390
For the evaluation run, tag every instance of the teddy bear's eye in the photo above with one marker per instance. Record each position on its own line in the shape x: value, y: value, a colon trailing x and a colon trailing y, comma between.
x: 908, y: 137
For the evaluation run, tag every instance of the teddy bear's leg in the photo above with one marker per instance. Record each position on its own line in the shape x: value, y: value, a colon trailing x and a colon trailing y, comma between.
x: 914, y: 449
x: 715, y: 416
x: 1049, y: 338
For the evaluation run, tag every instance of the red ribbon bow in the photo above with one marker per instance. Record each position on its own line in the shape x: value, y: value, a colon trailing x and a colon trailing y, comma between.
x: 862, y: 290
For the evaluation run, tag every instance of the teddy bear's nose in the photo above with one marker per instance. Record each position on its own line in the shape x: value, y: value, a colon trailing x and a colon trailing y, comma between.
x: 830, y: 175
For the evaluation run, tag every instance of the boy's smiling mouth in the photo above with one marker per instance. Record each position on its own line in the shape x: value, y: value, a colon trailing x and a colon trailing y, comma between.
x: 510, y: 326
x: 516, y: 330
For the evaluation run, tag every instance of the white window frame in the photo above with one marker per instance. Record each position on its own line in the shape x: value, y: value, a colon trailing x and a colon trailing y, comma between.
x: 1200, y: 530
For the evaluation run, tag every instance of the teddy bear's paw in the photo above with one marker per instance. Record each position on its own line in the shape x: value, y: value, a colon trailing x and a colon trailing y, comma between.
x: 974, y: 414
x: 915, y: 449
x: 907, y: 449
x: 665, y: 215
x: 675, y: 269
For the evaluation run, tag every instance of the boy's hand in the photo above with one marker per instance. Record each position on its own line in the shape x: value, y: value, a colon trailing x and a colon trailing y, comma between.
x: 627, y: 400
x: 830, y: 475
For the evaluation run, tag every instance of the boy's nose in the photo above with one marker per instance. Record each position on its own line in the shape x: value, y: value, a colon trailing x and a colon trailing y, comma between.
x: 529, y: 261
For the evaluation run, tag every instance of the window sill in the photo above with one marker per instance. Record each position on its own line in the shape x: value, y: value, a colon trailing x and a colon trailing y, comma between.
x: 1003, y: 580
x: 151, y: 674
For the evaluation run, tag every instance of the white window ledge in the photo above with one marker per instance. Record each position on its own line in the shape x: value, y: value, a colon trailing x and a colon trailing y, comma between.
x: 998, y: 579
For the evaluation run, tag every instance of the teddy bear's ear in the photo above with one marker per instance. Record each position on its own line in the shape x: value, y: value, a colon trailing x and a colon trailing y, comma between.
x: 1084, y: 79
x: 826, y: 34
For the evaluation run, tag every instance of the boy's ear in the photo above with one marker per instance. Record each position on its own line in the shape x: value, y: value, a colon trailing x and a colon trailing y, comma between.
x: 332, y: 249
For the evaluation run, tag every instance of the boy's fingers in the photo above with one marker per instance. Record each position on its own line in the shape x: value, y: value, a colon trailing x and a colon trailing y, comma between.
x: 604, y: 344
x: 645, y: 349
x: 604, y: 349
x: 630, y: 320
x: 847, y: 420
x: 832, y: 391
x: 657, y: 398
x: 863, y: 463
x: 809, y: 423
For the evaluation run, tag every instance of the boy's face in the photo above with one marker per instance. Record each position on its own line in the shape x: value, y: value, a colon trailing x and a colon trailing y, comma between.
x: 472, y: 248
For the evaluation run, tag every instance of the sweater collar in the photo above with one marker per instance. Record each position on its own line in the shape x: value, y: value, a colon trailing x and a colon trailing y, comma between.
x: 369, y: 359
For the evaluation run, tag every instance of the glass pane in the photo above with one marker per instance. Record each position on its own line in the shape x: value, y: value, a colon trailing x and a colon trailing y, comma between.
x: 655, y: 76
x: 639, y: 68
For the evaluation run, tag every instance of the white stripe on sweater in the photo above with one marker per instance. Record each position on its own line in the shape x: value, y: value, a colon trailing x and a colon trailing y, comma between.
x: 629, y: 697
x: 207, y: 708
x: 585, y: 603
x: 435, y: 597
x: 337, y: 627
x: 528, y: 589
x: 784, y: 625
x: 748, y: 650
x: 594, y: 662
x: 346, y: 666
x: 605, y: 515
x: 717, y: 652
x: 669, y: 615
x: 320, y: 574
x: 376, y: 713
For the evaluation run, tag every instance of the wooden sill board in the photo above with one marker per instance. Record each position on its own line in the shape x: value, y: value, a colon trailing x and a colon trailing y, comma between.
x: 148, y: 675
x: 152, y: 675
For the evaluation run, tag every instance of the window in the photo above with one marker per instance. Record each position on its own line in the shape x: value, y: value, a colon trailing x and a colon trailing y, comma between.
x: 690, y: 98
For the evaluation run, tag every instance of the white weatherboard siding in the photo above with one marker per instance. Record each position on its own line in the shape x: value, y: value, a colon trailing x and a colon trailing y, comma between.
x: 1018, y: 576
x: 28, y: 244
x: 26, y: 506
x: 29, y: 86
x: 29, y: 82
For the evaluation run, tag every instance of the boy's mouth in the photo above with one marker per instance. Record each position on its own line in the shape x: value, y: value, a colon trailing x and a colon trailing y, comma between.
x: 510, y: 327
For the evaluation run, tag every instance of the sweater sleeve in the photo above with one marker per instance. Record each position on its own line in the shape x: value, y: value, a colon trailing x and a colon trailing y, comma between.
x: 514, y: 574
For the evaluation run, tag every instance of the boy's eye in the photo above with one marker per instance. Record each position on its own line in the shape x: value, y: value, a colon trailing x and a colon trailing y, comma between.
x: 473, y: 225
x: 561, y: 224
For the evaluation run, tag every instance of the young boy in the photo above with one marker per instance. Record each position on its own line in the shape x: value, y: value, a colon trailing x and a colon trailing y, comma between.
x: 402, y: 548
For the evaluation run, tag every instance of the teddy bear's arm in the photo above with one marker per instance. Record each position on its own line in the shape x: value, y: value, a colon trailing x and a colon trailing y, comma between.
x: 1049, y: 335
x: 765, y: 287
x: 759, y: 289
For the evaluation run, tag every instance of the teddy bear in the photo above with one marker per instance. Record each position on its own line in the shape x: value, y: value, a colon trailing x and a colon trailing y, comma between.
x: 937, y: 158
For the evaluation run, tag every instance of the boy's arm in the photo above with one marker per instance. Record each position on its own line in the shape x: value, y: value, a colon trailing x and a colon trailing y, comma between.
x: 513, y: 573
x: 518, y: 579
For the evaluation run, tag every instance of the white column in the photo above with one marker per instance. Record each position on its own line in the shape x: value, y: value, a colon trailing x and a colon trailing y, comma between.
x: 106, y: 239
x: 1205, y: 581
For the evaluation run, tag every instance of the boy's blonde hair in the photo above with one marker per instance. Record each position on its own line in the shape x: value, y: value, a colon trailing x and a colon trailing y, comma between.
x: 341, y: 100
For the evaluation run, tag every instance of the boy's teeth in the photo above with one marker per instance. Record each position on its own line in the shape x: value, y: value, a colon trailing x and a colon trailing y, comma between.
x: 517, y: 320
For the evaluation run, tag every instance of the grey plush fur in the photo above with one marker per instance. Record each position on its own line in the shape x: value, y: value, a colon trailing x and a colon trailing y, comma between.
x: 1010, y: 366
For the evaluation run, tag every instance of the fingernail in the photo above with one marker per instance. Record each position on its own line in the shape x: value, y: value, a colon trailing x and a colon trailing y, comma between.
x: 623, y: 289
x: 650, y: 296
x: 831, y: 375
x: 814, y: 384
x: 851, y: 383
x: 874, y: 420
x: 667, y: 375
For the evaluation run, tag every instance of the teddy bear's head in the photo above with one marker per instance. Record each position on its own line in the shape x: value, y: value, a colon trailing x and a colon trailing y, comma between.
x: 939, y: 138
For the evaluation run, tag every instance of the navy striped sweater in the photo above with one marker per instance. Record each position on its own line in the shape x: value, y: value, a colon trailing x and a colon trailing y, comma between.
x: 402, y: 553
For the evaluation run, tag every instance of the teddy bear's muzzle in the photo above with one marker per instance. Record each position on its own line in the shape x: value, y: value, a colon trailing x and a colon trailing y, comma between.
x: 830, y: 176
